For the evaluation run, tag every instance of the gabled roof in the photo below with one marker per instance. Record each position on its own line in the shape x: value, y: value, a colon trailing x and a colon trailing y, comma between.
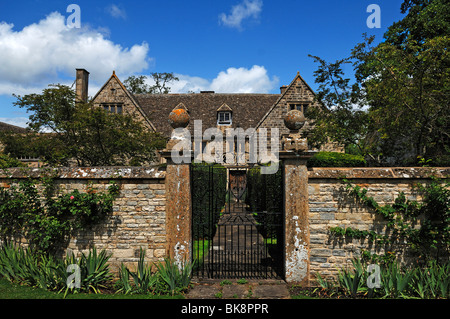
x: 281, y: 96
x: 224, y: 107
x: 5, y: 127
x: 130, y: 96
x: 247, y: 109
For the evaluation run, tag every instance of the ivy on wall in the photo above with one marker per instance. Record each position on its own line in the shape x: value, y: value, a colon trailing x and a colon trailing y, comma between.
x: 423, y: 227
x: 46, y: 219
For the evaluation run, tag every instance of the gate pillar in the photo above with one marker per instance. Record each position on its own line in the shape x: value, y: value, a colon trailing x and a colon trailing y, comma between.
x: 294, y: 155
x: 296, y: 217
x: 178, y: 190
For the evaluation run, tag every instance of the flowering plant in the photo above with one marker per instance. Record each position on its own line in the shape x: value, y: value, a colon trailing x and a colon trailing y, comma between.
x: 48, y: 224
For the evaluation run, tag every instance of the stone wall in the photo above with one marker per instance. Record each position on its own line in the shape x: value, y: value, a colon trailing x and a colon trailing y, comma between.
x: 330, y: 205
x: 153, y: 211
x: 138, y: 219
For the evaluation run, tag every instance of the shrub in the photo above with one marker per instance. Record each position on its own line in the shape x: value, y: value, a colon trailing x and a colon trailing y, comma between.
x: 47, y: 222
x: 170, y: 277
x: 143, y: 279
x: 335, y: 159
x: 175, y: 275
x: 7, y: 161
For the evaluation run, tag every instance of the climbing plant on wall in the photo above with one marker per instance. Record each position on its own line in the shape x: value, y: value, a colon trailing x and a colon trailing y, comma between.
x: 46, y: 219
x: 423, y: 227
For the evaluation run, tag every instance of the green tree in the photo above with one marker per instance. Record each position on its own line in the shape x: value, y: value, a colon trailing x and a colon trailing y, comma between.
x: 137, y: 84
x: 80, y: 132
x: 406, y: 81
x: 7, y: 161
x: 407, y: 90
x: 403, y: 85
x: 341, y: 118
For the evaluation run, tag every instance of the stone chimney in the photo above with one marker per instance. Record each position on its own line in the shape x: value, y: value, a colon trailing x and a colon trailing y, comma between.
x: 283, y: 89
x: 81, y: 86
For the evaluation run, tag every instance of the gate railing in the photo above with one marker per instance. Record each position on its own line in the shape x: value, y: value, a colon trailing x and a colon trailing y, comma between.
x: 237, y: 224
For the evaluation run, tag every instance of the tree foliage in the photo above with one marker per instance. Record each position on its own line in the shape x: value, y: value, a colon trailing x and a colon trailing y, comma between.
x: 138, y: 85
x: 79, y: 132
x: 397, y: 109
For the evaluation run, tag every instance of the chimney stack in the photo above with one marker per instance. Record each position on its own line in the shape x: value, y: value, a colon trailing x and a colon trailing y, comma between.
x: 283, y: 89
x: 81, y: 86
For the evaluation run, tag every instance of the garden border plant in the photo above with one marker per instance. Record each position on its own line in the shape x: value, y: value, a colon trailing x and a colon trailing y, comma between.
x: 24, y: 266
x: 45, y: 219
x: 430, y: 281
x: 424, y: 228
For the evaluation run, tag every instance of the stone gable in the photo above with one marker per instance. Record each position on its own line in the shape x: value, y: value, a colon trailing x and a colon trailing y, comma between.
x: 114, y: 93
x: 297, y: 93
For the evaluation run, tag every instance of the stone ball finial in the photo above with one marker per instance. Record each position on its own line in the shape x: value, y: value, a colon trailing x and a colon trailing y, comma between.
x: 294, y: 120
x: 179, y: 118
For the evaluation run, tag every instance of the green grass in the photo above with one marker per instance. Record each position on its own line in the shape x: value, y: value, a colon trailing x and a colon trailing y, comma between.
x: 10, y: 290
x: 200, y: 247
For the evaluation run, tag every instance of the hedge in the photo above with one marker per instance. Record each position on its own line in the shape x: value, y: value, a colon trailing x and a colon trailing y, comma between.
x: 265, y: 200
x: 335, y: 159
x: 209, y: 184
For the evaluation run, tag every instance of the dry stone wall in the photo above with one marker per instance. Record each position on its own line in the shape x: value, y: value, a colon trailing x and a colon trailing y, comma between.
x: 147, y: 213
x: 138, y: 219
x: 330, y: 205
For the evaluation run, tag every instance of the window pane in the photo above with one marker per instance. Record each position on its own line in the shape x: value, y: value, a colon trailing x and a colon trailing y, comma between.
x: 305, y: 108
x: 224, y: 118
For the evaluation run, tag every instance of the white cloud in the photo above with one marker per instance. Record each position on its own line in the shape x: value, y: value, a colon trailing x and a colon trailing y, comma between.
x: 244, y: 10
x: 47, y: 51
x: 233, y: 80
x: 116, y: 12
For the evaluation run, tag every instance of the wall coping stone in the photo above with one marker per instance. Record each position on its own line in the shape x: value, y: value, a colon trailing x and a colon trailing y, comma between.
x: 378, y: 172
x: 104, y: 172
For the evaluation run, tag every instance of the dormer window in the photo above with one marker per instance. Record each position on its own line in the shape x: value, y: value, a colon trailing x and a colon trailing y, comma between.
x: 224, y: 118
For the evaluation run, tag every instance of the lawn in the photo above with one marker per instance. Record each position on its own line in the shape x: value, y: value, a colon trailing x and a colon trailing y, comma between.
x: 10, y: 290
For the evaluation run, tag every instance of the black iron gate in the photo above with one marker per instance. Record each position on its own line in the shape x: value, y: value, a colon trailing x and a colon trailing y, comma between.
x: 238, y: 222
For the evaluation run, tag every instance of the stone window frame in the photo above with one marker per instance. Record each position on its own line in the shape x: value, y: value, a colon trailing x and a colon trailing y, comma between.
x: 301, y: 106
x: 224, y: 120
x: 113, y: 107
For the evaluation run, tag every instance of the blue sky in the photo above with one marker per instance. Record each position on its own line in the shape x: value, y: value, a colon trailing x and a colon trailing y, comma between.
x: 227, y: 46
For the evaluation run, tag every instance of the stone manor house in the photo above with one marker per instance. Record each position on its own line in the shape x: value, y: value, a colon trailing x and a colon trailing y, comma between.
x: 215, y: 110
x: 155, y: 209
